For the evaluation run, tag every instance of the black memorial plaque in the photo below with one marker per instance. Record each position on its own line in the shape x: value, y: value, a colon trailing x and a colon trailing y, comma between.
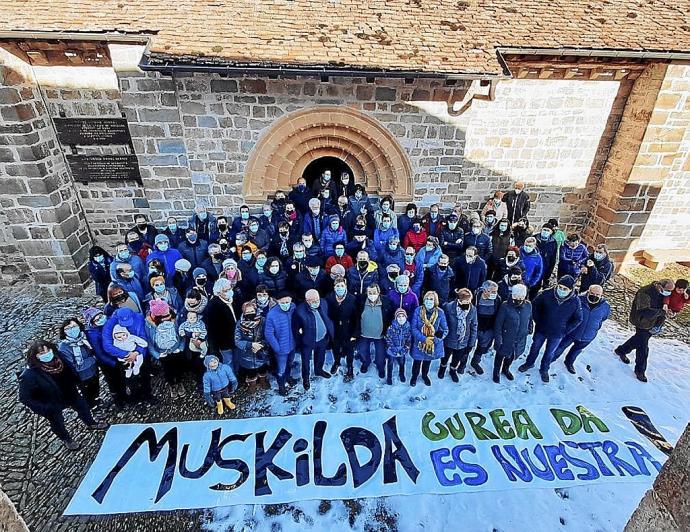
x: 92, y: 131
x: 88, y: 168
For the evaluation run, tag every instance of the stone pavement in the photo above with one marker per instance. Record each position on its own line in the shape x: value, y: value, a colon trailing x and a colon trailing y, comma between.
x: 40, y: 475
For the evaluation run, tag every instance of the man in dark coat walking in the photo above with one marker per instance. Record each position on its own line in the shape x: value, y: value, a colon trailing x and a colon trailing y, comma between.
x: 315, y: 332
x: 647, y: 315
x: 556, y: 313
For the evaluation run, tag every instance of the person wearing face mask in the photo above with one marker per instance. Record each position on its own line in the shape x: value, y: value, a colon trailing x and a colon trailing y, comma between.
x: 300, y: 196
x: 278, y: 204
x: 222, y: 230
x: 203, y: 222
x: 392, y: 253
x: 572, y: 257
x: 511, y: 259
x: 339, y: 257
x: 497, y: 205
x: 487, y: 303
x: 282, y: 242
x: 196, y: 301
x: 358, y: 199
x: 412, y: 270
x: 461, y: 316
x: 264, y: 301
x: 406, y: 219
x: 429, y: 329
x: 294, y: 219
x: 99, y: 270
x: 403, y: 296
x: 375, y: 316
x: 385, y: 230
x: 386, y: 207
x: 432, y: 222
x: 598, y: 268
x: 164, y: 253
x: 548, y: 249
x: 251, y: 277
x: 295, y: 264
x: 328, y: 202
x: 247, y: 262
x: 314, y: 334
x: 241, y: 223
x: 173, y: 231
x: 558, y: 234
x: 128, y: 281
x: 193, y: 248
x: 161, y: 292
x: 182, y: 279
x: 490, y: 222
x: 517, y: 202
x: 213, y: 265
x: 273, y: 278
x: 345, y: 185
x: 94, y: 320
x: 398, y: 345
x: 511, y: 329
x: 595, y: 311
x: 280, y: 333
x: 324, y: 182
x: 343, y: 209
x: 202, y: 282
x: 146, y: 231
x: 648, y: 316
x: 268, y: 222
x: 470, y: 270
x: 429, y: 255
x: 557, y: 313
x: 440, y: 278
x: 416, y: 237
x: 252, y: 348
x: 533, y: 266
x: 48, y: 386
x: 521, y: 231
x: 479, y: 240
x: 315, y: 220
x: 123, y: 255
x: 75, y: 350
x: 343, y: 312
x: 256, y: 235
x: 501, y: 236
x: 452, y: 237
x: 510, y: 279
x: 313, y: 276
x: 362, y: 275
x: 166, y: 345
x: 387, y: 282
x: 118, y: 297
x: 221, y: 319
x: 333, y: 233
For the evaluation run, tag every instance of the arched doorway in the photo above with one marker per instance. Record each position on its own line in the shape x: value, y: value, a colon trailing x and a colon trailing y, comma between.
x: 294, y: 141
x: 315, y: 168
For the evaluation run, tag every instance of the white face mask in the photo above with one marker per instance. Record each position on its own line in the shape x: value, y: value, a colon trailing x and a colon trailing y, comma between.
x: 401, y: 320
x: 518, y: 191
x: 372, y: 297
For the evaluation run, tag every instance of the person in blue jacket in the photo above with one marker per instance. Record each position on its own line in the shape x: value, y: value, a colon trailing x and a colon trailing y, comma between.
x: 548, y: 248
x: 572, y: 257
x: 470, y: 270
x: 280, y: 334
x: 428, y: 255
x: 166, y: 254
x: 511, y: 329
x: 384, y: 232
x: 122, y: 254
x: 452, y: 237
x: 480, y: 241
x: 194, y: 249
x: 99, y: 269
x: 134, y: 323
x: 440, y: 279
x: 461, y: 317
x: 557, y: 313
x: 595, y: 311
x: 315, y: 330
x: 597, y: 270
x: 315, y: 221
x: 533, y: 264
x: 127, y: 279
x: 392, y: 253
x: 203, y: 222
x: 331, y: 235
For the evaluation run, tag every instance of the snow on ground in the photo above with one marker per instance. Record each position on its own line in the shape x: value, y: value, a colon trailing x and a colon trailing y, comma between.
x: 582, y: 508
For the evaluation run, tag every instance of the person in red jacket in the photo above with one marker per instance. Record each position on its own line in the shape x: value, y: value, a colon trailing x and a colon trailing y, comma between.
x: 680, y: 297
x: 415, y: 237
x: 340, y: 257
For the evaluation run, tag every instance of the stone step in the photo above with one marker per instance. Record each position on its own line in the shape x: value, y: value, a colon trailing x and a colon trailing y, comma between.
x: 656, y: 259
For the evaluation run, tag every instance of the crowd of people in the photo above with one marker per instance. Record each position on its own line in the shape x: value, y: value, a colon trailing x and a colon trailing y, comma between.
x: 327, y: 269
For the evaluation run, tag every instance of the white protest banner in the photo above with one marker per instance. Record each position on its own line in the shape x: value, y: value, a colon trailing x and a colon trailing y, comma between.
x: 202, y: 464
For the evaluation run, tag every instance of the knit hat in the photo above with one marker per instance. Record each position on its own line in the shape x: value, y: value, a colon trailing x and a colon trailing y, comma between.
x: 399, y: 312
x: 282, y: 293
x: 155, y: 279
x: 453, y: 218
x: 519, y: 291
x: 161, y: 237
x: 208, y: 359
x: 229, y: 262
x: 119, y: 329
x: 333, y: 218
x: 89, y: 314
x: 312, y: 261
x: 568, y: 281
x: 197, y: 272
x: 183, y: 265
x: 158, y: 307
x: 392, y: 268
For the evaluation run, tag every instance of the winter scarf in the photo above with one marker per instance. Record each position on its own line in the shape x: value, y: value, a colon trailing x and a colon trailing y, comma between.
x: 250, y: 327
x: 428, y: 330
x: 199, y: 307
x: 54, y: 366
x: 462, y: 322
x: 76, y: 345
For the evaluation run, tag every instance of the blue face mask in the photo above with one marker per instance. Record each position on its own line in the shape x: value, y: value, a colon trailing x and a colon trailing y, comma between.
x: 246, y: 256
x: 340, y: 291
x: 172, y: 227
x: 392, y: 247
x: 202, y: 216
x: 562, y: 293
x: 528, y: 249
x: 339, y: 252
x: 493, y: 295
x: 123, y: 255
x: 545, y: 234
x: 261, y: 262
x: 665, y: 293
x: 163, y: 246
x: 99, y: 258
x: 429, y: 304
x: 244, y: 215
x: 72, y: 332
x: 100, y: 321
x: 46, y: 357
x: 314, y: 305
x: 598, y: 255
x: 159, y: 288
x: 284, y: 306
x: 191, y: 238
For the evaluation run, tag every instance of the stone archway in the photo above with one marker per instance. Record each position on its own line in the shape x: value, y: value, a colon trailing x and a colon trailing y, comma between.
x: 284, y: 151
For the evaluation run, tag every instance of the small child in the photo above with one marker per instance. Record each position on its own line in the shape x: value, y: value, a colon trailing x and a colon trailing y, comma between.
x: 398, y: 342
x: 194, y: 327
x: 680, y: 297
x: 165, y: 345
x: 122, y: 339
x: 219, y: 383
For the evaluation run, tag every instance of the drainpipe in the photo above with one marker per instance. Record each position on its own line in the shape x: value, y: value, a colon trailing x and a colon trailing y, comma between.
x: 490, y: 96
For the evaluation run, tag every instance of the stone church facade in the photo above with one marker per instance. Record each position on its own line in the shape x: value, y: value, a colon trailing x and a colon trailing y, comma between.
x: 601, y: 143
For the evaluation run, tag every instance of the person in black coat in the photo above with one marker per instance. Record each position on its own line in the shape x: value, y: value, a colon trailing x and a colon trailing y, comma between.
x: 470, y: 270
x: 221, y: 318
x: 99, y: 269
x: 517, y: 202
x: 282, y: 242
x: 147, y: 232
x: 300, y: 196
x: 343, y: 312
x: 487, y: 302
x: 548, y: 248
x: 48, y: 386
x: 311, y: 277
x: 192, y: 248
x: 314, y: 333
x: 511, y: 328
x: 274, y: 277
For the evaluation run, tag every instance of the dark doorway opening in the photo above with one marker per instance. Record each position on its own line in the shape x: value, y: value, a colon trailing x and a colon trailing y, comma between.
x: 315, y: 168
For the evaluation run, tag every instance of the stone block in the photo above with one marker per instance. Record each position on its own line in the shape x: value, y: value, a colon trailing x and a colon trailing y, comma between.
x: 223, y: 85
x: 256, y: 86
x: 171, y: 146
x: 13, y: 185
x: 386, y: 94
x: 159, y: 115
x: 207, y: 121
x: 193, y: 108
x: 155, y: 85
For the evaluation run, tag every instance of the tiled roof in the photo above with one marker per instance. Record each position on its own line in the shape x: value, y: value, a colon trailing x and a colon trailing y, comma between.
x: 446, y: 36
